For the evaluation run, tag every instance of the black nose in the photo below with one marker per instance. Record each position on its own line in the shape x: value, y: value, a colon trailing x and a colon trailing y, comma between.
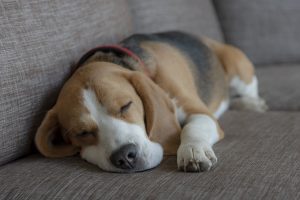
x: 125, y: 157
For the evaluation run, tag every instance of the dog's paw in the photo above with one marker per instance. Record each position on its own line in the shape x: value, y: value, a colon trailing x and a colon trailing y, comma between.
x: 248, y: 103
x: 195, y: 157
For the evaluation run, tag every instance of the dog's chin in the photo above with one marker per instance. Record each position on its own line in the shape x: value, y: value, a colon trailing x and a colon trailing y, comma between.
x: 148, y: 158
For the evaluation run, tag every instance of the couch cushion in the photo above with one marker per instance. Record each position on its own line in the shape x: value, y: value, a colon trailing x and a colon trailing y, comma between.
x: 194, y: 16
x: 38, y: 42
x: 267, y: 30
x: 258, y: 159
x: 279, y: 85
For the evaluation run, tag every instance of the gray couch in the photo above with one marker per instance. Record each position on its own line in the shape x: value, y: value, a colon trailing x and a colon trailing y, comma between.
x: 40, y: 40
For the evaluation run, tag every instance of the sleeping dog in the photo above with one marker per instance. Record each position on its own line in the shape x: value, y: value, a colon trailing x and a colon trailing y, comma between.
x: 151, y: 95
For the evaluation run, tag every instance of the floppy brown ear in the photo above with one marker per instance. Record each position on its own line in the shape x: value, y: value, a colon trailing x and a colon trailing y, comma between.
x: 160, y: 119
x: 48, y: 133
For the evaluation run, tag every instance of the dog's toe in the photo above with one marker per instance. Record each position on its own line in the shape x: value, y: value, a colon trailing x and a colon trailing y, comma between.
x: 195, y: 158
x: 248, y: 103
x: 192, y: 166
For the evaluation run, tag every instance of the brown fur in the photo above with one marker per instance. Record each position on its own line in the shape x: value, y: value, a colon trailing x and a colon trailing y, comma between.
x: 234, y: 61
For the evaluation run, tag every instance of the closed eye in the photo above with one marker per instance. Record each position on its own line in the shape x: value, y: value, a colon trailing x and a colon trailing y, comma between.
x: 85, y: 134
x: 125, y: 107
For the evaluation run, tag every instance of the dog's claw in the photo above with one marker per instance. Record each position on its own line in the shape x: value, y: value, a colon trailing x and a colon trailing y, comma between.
x: 192, y: 167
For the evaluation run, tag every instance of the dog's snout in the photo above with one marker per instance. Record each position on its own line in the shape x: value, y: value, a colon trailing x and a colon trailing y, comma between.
x: 125, y: 157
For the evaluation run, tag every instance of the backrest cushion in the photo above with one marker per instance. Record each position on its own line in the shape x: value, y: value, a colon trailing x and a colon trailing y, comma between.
x: 193, y: 16
x: 267, y: 30
x: 39, y: 41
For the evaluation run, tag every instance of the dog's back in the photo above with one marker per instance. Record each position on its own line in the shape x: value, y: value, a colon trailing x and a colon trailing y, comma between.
x: 207, y: 71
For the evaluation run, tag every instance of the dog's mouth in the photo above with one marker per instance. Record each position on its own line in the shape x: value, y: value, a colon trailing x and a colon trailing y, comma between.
x: 128, y: 158
x: 139, y: 166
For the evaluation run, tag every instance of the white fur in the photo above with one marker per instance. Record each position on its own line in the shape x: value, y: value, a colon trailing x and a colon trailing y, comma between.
x: 179, y: 112
x: 115, y: 133
x: 200, y: 127
x: 222, y: 108
x: 249, y: 98
x: 240, y: 87
x: 197, y: 138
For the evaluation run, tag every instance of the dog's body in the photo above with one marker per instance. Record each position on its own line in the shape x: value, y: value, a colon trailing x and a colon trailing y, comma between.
x: 121, y: 112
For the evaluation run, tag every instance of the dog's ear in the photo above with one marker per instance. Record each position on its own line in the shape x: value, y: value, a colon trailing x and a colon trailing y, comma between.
x: 160, y: 118
x: 49, y: 139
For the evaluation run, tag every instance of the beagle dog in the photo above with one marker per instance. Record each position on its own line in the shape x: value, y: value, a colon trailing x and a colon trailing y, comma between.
x: 151, y: 95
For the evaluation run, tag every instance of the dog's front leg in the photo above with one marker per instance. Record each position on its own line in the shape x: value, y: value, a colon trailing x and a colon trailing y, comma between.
x: 195, y: 153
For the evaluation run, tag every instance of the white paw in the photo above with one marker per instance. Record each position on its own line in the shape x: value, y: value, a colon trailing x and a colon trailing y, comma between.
x: 195, y: 157
x: 248, y: 103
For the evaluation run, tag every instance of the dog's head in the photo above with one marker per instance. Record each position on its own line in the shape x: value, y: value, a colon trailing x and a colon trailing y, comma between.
x: 115, y: 118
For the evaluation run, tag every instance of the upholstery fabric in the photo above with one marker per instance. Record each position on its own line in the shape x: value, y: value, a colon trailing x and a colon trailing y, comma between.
x: 193, y: 16
x: 258, y: 159
x: 267, y: 30
x: 39, y: 41
x: 279, y: 85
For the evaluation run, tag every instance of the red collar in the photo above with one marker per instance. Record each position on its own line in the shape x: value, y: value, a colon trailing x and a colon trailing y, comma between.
x: 117, y: 49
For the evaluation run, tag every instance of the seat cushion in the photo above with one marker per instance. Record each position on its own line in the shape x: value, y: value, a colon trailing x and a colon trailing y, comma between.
x: 279, y: 85
x: 258, y: 159
x: 193, y: 16
x: 39, y: 41
x: 267, y: 30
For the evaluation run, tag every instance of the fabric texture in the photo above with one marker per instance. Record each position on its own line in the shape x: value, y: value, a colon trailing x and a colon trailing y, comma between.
x: 279, y: 85
x: 258, y: 159
x: 267, y: 30
x: 192, y: 16
x: 39, y: 42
